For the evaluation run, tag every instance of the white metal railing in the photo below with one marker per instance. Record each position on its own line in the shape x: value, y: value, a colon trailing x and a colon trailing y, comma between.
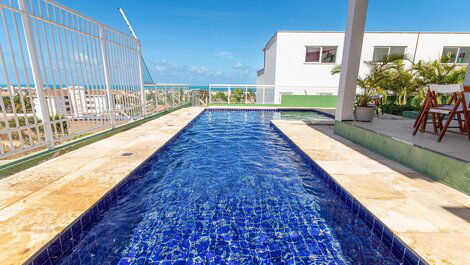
x: 262, y: 94
x: 63, y: 75
x: 161, y: 97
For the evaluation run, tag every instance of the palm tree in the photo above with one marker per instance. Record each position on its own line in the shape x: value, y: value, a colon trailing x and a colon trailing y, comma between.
x: 372, y: 82
x: 439, y: 72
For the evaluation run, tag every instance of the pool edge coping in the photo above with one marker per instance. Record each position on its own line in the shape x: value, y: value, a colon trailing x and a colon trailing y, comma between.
x: 352, y: 203
x: 101, y: 205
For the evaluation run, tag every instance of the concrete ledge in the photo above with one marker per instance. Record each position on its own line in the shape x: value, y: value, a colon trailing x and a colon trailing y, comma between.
x: 448, y: 170
x: 31, y: 160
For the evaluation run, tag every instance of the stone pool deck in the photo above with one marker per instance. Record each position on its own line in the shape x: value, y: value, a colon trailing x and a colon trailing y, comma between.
x: 430, y: 217
x: 37, y: 204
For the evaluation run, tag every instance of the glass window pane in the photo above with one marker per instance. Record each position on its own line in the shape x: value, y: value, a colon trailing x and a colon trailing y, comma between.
x: 328, y: 55
x: 450, y: 51
x: 464, y: 55
x: 379, y: 54
x: 397, y: 50
x: 312, y: 54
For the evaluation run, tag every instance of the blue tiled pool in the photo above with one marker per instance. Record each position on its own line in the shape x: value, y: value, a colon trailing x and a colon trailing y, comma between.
x: 228, y: 190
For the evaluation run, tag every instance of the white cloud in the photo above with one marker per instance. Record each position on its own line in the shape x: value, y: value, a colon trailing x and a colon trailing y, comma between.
x: 225, y: 55
x: 239, y: 65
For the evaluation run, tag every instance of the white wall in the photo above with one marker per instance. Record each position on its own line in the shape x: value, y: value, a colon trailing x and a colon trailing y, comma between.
x: 270, y: 63
x: 285, y: 56
x: 291, y: 68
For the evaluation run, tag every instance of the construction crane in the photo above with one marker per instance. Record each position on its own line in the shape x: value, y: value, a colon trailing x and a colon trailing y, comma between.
x: 121, y: 11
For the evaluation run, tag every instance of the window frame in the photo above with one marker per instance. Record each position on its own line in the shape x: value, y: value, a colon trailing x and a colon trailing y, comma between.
x: 388, y: 53
x: 320, y: 59
x: 456, y: 56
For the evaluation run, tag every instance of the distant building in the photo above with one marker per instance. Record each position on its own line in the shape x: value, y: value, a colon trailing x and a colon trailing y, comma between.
x: 301, y: 61
x: 73, y: 101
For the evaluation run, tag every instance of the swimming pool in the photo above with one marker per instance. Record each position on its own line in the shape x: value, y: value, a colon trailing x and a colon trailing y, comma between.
x: 229, y: 190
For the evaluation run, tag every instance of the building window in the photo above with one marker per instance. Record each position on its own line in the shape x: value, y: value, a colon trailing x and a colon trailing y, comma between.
x: 320, y: 54
x: 457, y: 54
x: 382, y: 51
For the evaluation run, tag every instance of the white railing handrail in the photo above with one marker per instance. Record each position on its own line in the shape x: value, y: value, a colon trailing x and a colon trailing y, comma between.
x: 87, y: 76
x: 256, y: 85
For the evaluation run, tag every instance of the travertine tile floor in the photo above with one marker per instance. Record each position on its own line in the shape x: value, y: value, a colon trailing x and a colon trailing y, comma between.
x: 428, y: 216
x: 38, y: 203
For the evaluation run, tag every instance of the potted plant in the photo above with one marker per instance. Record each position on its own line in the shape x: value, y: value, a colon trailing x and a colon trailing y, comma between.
x: 371, y: 84
x: 363, y: 111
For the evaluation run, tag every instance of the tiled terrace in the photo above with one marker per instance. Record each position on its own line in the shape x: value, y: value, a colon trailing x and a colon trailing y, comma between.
x: 39, y: 203
x: 430, y: 217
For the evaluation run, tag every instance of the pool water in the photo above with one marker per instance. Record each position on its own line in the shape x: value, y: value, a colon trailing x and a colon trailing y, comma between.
x: 230, y: 190
x: 301, y: 115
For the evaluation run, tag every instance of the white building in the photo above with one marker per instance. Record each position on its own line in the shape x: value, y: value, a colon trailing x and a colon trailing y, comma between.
x: 300, y: 62
x: 74, y: 102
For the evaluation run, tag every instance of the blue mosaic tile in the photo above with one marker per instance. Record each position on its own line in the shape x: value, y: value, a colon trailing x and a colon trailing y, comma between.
x: 314, y: 242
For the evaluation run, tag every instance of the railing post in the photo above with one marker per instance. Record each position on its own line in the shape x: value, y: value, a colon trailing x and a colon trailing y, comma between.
x: 107, y: 76
x: 166, y: 96
x: 228, y: 98
x: 264, y: 94
x: 246, y: 94
x: 210, y: 96
x: 36, y: 72
x: 156, y: 98
x: 141, y: 79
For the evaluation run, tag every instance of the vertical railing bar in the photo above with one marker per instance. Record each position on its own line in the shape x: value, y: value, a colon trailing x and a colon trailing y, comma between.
x: 141, y: 77
x: 2, y: 104
x: 102, y: 95
x: 36, y: 72
x: 210, y: 94
x: 53, y: 89
x: 128, y: 88
x: 28, y: 86
x: 67, y: 84
x: 166, y: 97
x: 83, y: 69
x: 59, y: 79
x: 89, y: 65
x: 20, y: 91
x: 127, y: 111
x: 156, y: 98
x: 264, y: 94
x: 74, y: 77
x: 135, y: 82
x: 104, y: 58
x: 246, y: 95
x: 10, y: 87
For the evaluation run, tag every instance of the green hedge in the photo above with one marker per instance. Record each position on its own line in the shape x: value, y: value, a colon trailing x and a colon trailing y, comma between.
x: 308, y: 101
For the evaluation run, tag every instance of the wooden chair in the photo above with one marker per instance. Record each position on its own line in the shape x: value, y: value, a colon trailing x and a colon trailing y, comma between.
x: 456, y: 107
x: 377, y: 103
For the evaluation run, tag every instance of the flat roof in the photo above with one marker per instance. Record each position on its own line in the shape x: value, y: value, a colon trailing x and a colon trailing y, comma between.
x: 333, y: 31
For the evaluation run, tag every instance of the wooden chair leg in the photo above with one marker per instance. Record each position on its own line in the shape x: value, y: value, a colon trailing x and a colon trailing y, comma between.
x: 419, y: 122
x: 434, y: 125
x: 439, y: 121
x: 461, y: 125
x: 421, y: 111
x: 449, y: 119
x: 424, y: 121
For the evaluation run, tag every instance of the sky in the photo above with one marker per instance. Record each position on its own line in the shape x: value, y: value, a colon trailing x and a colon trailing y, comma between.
x: 221, y: 41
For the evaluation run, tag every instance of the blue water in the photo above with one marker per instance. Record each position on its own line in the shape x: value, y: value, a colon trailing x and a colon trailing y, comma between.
x: 230, y: 190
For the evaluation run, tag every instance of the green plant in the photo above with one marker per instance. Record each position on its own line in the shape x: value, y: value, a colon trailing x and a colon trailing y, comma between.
x: 372, y: 83
x: 237, y: 95
x: 220, y: 96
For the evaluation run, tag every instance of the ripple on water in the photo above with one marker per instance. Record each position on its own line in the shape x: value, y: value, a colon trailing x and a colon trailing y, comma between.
x: 230, y: 190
